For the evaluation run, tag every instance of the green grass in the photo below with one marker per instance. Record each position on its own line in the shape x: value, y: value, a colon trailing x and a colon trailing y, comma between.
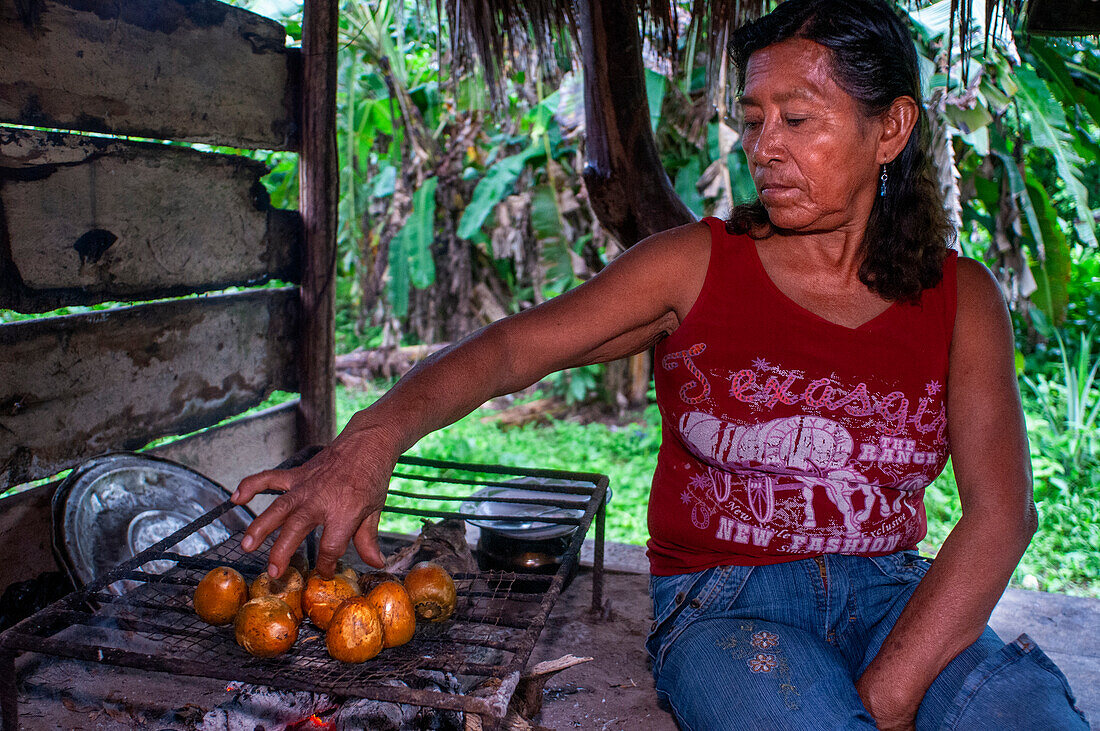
x: 1063, y: 555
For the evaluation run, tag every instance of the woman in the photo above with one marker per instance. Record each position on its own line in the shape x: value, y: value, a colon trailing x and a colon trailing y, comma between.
x: 812, y: 356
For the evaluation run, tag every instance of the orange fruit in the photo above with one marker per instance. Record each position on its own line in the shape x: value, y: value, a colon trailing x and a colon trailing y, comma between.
x: 287, y: 587
x: 322, y: 597
x: 432, y: 591
x: 370, y: 579
x: 266, y: 626
x: 347, y: 573
x: 395, y: 611
x: 219, y: 595
x: 355, y: 634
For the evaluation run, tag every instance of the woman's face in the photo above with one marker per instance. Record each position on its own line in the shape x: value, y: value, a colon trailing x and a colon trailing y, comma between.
x: 814, y: 156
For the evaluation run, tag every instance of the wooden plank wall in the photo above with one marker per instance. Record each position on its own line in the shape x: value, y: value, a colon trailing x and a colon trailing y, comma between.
x: 191, y: 70
x: 320, y: 192
x: 87, y: 219
x: 73, y: 387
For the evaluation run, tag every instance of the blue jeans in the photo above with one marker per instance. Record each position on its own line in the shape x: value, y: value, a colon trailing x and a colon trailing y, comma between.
x: 780, y: 647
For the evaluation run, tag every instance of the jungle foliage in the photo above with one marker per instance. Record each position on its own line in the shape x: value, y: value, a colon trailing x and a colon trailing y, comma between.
x: 456, y: 210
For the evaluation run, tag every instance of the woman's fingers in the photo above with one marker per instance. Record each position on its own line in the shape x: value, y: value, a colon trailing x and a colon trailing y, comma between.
x: 257, y: 483
x: 331, y: 490
x: 332, y: 546
x: 267, y: 521
x: 366, y: 541
x: 293, y: 531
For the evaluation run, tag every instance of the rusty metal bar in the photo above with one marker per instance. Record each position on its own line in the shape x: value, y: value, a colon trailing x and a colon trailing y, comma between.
x: 597, y: 558
x: 543, y: 487
x: 594, y: 477
x: 474, y: 516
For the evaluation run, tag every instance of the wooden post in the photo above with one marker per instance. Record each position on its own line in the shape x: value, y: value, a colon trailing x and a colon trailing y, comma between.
x: 319, y: 184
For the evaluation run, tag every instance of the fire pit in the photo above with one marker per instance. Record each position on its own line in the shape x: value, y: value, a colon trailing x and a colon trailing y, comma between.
x: 486, y: 645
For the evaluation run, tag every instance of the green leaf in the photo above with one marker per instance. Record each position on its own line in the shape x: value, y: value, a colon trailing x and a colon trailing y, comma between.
x: 1017, y: 187
x: 380, y: 118
x: 686, y: 179
x: 398, y: 285
x: 1047, y: 123
x: 544, y: 214
x: 421, y: 233
x: 969, y: 120
x: 1054, y: 68
x: 384, y: 182
x: 655, y: 86
x: 546, y: 224
x: 492, y: 189
x: 1052, y: 272
x: 410, y: 260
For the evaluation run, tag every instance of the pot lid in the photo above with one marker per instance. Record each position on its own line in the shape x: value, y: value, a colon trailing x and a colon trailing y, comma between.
x: 114, y: 506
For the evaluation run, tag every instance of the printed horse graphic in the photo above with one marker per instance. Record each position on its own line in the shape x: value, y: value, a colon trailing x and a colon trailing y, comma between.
x: 810, y: 451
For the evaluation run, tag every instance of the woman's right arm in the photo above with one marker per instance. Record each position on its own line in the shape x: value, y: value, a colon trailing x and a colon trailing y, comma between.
x: 638, y: 299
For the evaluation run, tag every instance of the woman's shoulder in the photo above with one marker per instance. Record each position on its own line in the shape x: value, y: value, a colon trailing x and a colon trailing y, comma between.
x: 681, y: 248
x: 981, y: 311
x: 681, y: 257
x: 975, y: 284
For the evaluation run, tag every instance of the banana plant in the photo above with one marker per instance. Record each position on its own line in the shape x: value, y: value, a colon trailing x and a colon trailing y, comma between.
x: 1018, y: 120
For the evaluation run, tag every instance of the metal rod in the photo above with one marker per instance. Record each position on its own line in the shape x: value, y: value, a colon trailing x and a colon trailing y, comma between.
x: 548, y: 502
x: 496, y: 469
x: 474, y: 516
x: 597, y: 558
x: 576, y: 489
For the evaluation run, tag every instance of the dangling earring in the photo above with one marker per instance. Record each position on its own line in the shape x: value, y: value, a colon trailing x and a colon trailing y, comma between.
x: 882, y: 188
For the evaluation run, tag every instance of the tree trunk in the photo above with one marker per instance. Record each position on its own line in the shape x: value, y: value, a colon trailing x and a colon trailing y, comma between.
x: 628, y: 188
x: 627, y: 184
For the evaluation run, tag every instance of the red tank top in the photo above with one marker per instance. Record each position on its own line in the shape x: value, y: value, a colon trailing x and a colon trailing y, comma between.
x: 785, y: 435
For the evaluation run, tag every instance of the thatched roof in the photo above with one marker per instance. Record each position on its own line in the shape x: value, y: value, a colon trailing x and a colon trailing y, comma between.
x: 493, y: 30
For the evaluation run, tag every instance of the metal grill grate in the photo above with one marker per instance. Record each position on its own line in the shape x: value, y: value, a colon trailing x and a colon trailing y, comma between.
x: 496, y: 624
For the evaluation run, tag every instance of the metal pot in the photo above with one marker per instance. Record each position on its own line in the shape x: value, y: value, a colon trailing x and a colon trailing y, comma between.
x: 512, y: 536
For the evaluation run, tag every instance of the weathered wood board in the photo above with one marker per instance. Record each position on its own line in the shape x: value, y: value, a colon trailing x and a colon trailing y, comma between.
x: 230, y: 452
x: 89, y: 219
x: 25, y: 538
x: 193, y: 70
x: 76, y: 386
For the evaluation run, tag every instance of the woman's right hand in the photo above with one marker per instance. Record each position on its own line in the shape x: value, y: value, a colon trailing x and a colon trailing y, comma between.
x: 342, y: 488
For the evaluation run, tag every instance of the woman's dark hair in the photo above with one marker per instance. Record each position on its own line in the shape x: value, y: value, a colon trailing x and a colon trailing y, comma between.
x: 875, y: 62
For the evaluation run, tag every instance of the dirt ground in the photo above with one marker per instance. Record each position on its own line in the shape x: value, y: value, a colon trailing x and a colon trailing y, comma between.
x: 615, y: 690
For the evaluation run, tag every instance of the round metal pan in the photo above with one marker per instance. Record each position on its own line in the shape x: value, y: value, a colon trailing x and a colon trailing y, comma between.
x: 116, y: 505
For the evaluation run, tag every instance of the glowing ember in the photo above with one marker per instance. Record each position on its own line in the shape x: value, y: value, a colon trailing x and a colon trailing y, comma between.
x: 312, y: 723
